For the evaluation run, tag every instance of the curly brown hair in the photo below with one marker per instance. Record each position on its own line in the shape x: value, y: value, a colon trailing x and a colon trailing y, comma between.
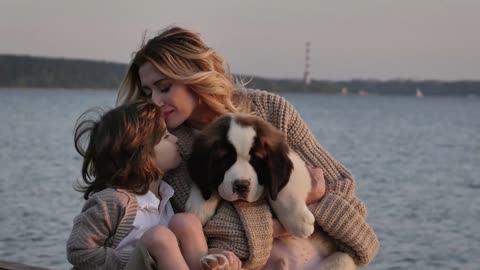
x: 119, y: 147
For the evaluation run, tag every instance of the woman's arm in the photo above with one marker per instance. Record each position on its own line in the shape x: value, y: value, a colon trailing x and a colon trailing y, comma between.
x: 243, y: 228
x: 91, y: 230
x: 339, y: 212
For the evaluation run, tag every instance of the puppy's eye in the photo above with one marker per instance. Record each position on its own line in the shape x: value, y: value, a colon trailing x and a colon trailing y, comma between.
x: 222, y: 155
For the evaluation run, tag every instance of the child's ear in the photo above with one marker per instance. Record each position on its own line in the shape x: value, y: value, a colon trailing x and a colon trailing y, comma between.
x: 198, y: 165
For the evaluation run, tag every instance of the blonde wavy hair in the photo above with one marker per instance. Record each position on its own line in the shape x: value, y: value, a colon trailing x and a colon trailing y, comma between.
x: 181, y: 55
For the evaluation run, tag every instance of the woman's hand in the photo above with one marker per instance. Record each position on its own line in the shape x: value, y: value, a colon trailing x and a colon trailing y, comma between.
x: 318, y: 185
x: 278, y: 229
x: 234, y: 262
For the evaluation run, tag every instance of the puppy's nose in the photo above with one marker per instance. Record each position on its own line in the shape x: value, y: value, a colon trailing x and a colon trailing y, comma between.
x: 241, y: 186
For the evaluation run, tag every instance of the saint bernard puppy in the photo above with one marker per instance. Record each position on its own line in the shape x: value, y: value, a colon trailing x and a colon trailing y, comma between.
x: 242, y: 157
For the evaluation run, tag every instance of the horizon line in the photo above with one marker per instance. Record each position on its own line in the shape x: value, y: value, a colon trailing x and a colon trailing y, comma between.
x: 105, y: 61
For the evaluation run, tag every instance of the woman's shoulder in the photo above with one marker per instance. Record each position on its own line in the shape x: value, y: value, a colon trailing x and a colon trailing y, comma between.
x: 264, y: 103
x: 253, y: 92
x: 260, y: 98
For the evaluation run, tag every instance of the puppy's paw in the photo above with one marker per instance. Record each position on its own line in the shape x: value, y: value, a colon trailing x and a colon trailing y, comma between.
x: 301, y: 223
x: 214, y: 262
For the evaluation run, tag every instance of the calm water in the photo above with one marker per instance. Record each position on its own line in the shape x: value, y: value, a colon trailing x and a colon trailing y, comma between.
x: 416, y: 162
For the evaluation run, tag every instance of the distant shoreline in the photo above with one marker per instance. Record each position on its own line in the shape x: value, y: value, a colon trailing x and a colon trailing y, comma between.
x: 17, y: 71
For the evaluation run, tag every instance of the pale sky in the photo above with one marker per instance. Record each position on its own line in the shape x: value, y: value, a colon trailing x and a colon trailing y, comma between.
x: 376, y: 39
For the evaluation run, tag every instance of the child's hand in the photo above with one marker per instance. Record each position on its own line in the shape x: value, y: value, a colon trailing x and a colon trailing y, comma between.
x: 318, y: 185
x: 219, y: 259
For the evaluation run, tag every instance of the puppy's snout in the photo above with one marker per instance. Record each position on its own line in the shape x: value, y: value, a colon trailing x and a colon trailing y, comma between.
x: 241, y: 187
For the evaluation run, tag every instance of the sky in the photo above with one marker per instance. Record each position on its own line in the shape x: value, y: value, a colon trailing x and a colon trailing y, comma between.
x: 355, y: 39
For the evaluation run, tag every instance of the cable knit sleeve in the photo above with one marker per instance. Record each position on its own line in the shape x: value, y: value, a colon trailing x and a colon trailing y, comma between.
x: 92, y: 229
x: 339, y: 213
x: 243, y: 228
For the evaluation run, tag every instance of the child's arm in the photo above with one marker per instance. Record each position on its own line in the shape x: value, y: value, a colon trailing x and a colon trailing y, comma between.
x: 92, y: 229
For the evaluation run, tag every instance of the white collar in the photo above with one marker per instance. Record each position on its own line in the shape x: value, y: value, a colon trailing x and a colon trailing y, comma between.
x: 149, y: 200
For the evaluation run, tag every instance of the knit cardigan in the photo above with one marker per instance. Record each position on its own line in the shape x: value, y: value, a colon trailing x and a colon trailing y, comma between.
x: 246, y: 228
x: 106, y: 218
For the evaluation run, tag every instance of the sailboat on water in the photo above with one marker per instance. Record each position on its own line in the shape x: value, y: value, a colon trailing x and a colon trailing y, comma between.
x: 419, y: 93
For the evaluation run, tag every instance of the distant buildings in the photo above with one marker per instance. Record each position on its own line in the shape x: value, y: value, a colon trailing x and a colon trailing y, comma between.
x: 362, y: 93
x: 344, y: 91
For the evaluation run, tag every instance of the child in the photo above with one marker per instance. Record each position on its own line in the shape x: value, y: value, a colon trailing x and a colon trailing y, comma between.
x: 127, y: 152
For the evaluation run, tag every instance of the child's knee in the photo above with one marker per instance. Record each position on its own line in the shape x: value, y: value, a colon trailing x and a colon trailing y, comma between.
x: 184, y: 223
x: 158, y: 237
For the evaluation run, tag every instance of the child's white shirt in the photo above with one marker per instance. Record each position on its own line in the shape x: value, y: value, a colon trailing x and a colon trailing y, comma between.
x: 151, y: 212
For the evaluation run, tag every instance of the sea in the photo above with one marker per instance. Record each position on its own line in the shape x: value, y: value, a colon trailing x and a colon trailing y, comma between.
x: 416, y: 162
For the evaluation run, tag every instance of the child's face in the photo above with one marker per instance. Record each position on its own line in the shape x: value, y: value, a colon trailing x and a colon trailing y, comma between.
x: 166, y: 153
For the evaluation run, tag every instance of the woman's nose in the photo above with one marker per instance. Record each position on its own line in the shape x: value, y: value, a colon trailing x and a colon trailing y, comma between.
x: 157, y: 99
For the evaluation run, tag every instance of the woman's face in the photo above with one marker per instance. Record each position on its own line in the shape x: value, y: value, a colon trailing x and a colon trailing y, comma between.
x: 175, y: 99
x: 166, y: 153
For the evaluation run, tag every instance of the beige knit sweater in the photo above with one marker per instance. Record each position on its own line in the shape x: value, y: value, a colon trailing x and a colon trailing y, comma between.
x: 246, y: 228
x: 105, y: 219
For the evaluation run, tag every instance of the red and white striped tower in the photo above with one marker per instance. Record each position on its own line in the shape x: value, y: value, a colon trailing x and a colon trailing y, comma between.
x: 306, y: 75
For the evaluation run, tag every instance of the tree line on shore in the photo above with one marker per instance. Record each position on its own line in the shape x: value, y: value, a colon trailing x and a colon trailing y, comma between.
x: 17, y: 71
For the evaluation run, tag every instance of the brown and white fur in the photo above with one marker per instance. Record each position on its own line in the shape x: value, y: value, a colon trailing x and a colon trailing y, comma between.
x: 241, y: 157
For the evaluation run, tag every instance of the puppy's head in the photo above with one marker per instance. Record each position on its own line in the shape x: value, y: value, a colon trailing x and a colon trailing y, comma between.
x: 241, y: 157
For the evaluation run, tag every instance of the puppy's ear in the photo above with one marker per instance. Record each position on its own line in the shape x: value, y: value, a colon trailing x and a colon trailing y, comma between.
x: 198, y: 165
x: 280, y: 166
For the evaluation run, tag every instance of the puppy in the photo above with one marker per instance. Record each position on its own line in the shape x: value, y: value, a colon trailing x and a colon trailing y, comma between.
x: 242, y: 157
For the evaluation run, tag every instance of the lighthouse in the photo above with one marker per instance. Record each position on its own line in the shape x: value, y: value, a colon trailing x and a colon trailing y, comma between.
x: 306, y: 74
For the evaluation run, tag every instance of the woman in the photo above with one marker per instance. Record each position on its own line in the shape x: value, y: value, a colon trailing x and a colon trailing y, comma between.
x: 187, y: 79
